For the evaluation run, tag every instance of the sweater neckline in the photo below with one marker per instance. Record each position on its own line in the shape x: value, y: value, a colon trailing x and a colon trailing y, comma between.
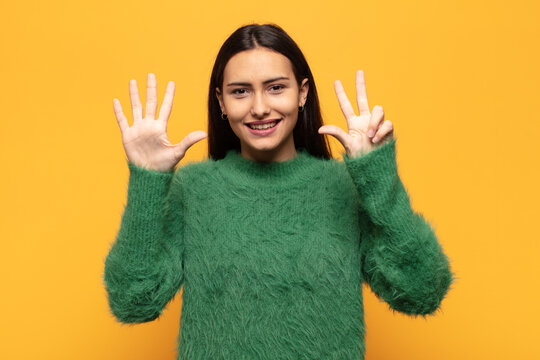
x: 270, y: 174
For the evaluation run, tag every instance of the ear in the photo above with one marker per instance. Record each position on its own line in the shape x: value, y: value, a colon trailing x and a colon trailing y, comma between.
x: 219, y: 96
x: 302, y: 95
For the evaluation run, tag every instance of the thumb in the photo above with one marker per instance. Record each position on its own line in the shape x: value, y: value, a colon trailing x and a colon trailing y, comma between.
x: 188, y: 141
x: 194, y: 137
x: 336, y: 132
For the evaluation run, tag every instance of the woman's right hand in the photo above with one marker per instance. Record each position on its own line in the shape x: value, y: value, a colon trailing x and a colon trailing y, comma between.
x: 146, y: 142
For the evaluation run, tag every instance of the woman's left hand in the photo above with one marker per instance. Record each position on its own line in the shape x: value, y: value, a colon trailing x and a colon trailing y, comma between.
x: 366, y: 131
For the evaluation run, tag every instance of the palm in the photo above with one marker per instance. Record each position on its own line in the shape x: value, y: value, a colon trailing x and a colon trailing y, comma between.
x: 146, y: 142
x: 357, y: 141
x: 358, y: 126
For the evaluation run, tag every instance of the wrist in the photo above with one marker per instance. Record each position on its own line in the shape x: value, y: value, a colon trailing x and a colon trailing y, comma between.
x: 155, y: 169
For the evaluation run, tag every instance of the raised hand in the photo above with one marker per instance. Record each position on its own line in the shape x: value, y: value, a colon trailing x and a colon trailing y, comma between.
x: 146, y: 142
x: 366, y: 130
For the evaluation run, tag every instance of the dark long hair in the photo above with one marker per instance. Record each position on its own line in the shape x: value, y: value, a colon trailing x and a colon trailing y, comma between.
x: 221, y: 137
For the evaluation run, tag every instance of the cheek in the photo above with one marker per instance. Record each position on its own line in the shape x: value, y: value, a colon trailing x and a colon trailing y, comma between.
x: 238, y: 110
x: 286, y: 106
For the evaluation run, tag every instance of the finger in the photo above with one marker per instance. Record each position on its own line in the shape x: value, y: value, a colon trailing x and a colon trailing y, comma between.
x: 151, y: 96
x: 188, y: 141
x: 136, y: 106
x: 377, y: 117
x: 344, y: 102
x: 386, y: 129
x: 166, y: 105
x: 120, y: 117
x: 361, y: 95
x: 336, y: 132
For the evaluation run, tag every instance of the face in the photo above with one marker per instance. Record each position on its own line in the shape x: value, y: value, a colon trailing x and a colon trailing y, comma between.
x: 259, y: 86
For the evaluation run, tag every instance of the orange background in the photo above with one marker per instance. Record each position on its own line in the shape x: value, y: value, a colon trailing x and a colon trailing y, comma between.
x: 458, y: 79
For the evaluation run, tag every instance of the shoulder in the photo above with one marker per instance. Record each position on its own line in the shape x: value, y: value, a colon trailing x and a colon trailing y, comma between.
x: 333, y: 173
x: 337, y: 171
x: 194, y: 171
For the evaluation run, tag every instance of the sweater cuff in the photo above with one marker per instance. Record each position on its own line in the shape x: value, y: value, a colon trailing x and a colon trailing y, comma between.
x: 375, y: 170
x: 147, y: 188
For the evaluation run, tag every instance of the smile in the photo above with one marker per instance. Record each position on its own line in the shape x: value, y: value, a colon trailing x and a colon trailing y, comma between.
x: 263, y: 126
x: 263, y: 129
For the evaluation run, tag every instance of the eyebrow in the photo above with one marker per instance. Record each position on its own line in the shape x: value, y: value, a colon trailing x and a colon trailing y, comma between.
x: 264, y: 82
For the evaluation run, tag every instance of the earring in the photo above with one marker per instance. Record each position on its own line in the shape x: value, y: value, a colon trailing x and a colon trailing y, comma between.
x: 224, y: 118
x: 301, y: 108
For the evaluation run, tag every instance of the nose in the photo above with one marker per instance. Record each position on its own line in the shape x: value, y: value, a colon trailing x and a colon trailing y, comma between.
x: 259, y: 107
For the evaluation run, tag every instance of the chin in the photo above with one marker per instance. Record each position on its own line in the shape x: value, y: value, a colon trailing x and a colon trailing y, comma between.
x: 263, y: 148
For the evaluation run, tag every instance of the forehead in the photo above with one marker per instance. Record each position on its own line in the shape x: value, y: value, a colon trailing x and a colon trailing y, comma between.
x: 257, y: 64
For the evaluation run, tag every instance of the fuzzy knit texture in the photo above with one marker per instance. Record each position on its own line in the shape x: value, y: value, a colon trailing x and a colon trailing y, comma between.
x: 272, y: 256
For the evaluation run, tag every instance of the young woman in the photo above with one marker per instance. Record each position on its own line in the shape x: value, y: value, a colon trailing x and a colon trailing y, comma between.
x: 270, y: 236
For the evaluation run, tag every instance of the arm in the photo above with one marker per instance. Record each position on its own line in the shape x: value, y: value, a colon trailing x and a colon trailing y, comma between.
x: 402, y: 261
x: 143, y: 269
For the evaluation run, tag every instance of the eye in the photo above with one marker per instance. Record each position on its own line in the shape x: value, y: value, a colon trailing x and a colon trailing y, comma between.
x: 279, y: 87
x: 236, y: 91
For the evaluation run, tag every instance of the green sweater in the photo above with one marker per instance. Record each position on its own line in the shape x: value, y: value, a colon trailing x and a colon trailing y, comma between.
x: 272, y: 256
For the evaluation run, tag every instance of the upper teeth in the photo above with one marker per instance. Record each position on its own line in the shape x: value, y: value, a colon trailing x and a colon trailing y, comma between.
x: 262, y: 126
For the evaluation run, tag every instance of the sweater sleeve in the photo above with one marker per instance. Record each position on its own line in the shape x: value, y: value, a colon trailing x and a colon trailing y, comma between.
x: 402, y: 260
x: 143, y: 269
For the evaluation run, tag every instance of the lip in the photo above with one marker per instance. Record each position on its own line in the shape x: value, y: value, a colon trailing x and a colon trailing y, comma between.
x: 258, y: 122
x: 266, y: 131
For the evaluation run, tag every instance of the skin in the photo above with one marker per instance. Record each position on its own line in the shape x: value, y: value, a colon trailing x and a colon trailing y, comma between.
x: 366, y: 131
x: 257, y: 99
x: 146, y: 142
x: 147, y: 145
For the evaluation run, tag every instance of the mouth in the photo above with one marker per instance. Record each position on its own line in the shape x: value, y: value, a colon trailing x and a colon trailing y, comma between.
x: 263, y: 126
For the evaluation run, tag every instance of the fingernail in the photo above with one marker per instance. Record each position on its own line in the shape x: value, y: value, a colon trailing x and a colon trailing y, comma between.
x: 371, y: 133
x: 375, y: 139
